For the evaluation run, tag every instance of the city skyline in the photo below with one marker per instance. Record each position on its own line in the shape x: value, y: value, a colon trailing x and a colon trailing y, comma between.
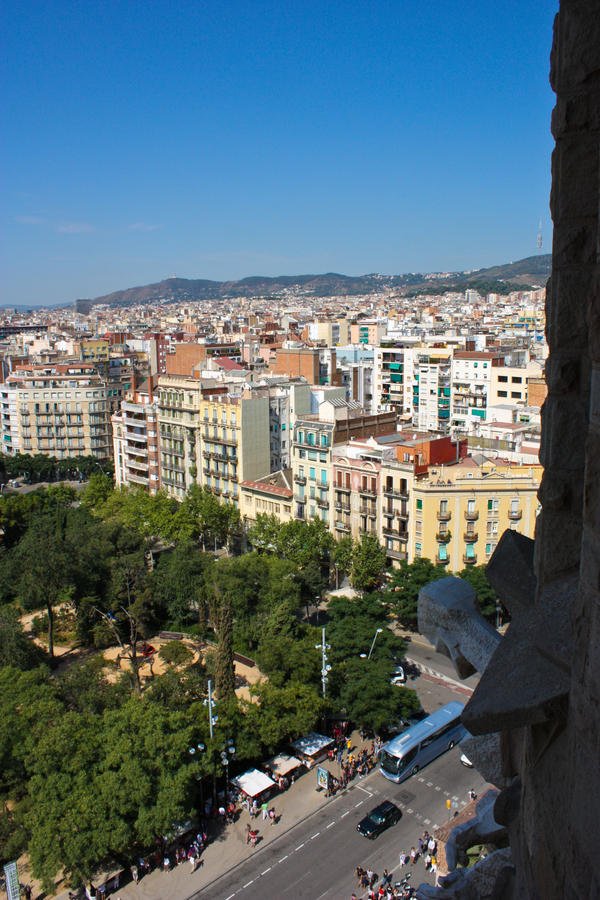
x: 223, y: 143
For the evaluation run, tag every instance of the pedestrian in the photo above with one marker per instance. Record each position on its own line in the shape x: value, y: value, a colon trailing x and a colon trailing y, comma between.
x: 192, y: 859
x: 421, y: 845
x: 254, y: 812
x: 115, y: 883
x: 265, y: 810
x: 248, y: 830
x: 433, y: 864
x: 272, y: 815
x: 431, y: 845
x: 166, y: 864
x: 403, y: 859
x: 370, y: 875
x: 359, y: 872
x: 386, y: 878
x: 135, y: 873
x: 413, y: 855
x: 472, y: 794
x: 253, y: 838
x: 427, y: 861
x: 349, y: 745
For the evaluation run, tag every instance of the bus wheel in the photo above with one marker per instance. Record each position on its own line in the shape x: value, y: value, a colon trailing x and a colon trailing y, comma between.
x: 450, y: 745
x: 415, y: 770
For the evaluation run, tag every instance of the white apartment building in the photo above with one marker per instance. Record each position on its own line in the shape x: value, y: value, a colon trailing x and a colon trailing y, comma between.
x: 135, y: 441
x: 471, y: 388
x: 388, y: 378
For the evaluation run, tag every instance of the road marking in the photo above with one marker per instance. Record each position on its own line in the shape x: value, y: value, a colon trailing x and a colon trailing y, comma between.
x: 430, y: 784
x: 345, y: 814
x: 331, y: 824
x: 360, y: 803
x: 438, y: 788
x: 248, y: 883
x: 410, y: 811
x: 427, y: 821
x: 315, y: 835
x: 230, y: 896
x: 447, y: 793
x: 284, y: 857
x: 421, y: 780
x: 455, y: 798
x: 299, y: 847
x: 266, y: 870
x: 364, y: 790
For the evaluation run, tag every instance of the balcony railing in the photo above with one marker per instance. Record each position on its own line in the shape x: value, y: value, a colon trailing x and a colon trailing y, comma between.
x: 342, y: 526
x: 443, y: 537
x: 442, y: 561
x: 369, y: 511
x: 343, y: 507
x: 392, y: 492
x: 515, y: 514
x: 469, y: 537
x: 340, y: 487
x: 300, y: 479
x: 469, y: 560
x: 324, y: 504
x: 471, y: 515
x: 368, y: 492
x: 396, y: 554
x: 444, y: 516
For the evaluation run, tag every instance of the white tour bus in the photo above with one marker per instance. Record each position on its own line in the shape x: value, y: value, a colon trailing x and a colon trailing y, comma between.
x: 417, y: 746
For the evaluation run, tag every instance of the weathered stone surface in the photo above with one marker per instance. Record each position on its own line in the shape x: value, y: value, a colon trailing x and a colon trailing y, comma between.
x: 482, y: 882
x: 449, y: 619
x: 484, y: 752
x: 481, y: 829
x: 510, y: 571
x: 508, y: 803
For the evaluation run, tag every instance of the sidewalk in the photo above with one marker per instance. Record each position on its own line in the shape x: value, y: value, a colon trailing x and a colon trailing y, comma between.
x: 229, y: 847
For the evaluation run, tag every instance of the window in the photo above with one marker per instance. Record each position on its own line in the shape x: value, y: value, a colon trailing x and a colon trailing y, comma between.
x: 324, y: 440
x: 470, y: 551
x: 418, y: 526
x: 470, y: 506
x: 300, y: 437
x: 492, y: 527
x: 493, y: 506
x: 443, y: 507
x: 503, y: 393
x: 419, y: 504
x: 323, y: 476
x: 443, y: 551
x: 418, y: 549
x: 516, y: 379
x: 311, y: 473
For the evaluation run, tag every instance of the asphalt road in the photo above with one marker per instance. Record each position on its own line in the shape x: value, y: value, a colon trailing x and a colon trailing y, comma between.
x: 316, y: 859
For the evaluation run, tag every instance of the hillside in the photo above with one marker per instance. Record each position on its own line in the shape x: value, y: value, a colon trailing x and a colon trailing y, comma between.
x: 526, y: 273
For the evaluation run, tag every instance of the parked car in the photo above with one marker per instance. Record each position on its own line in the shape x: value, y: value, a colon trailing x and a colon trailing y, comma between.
x: 380, y: 818
x: 399, y: 676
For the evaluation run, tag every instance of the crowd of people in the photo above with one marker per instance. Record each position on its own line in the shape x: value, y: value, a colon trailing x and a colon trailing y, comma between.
x: 382, y: 888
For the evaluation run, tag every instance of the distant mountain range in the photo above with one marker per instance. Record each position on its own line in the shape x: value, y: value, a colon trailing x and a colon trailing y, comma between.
x: 522, y: 275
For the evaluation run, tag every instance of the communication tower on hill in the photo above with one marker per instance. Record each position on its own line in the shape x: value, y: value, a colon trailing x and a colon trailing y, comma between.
x: 539, y: 236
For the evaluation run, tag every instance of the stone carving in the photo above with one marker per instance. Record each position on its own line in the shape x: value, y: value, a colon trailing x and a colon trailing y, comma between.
x: 491, y: 878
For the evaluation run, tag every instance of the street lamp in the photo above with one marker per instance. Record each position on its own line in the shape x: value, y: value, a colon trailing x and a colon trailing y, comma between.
x: 227, y: 752
x: 379, y: 630
x: 212, y: 720
x: 325, y: 668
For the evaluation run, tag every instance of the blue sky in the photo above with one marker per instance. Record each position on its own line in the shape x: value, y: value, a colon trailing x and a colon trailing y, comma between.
x: 222, y: 139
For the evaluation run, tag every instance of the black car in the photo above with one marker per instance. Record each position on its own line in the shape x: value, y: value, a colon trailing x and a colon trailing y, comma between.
x: 380, y: 818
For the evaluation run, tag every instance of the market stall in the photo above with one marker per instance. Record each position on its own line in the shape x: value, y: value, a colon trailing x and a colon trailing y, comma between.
x: 254, y: 783
x: 312, y: 748
x: 283, y: 769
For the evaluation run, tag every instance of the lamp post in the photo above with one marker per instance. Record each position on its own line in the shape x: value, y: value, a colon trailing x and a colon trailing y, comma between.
x: 227, y: 753
x: 199, y: 748
x: 325, y: 668
x: 212, y: 720
x: 379, y: 630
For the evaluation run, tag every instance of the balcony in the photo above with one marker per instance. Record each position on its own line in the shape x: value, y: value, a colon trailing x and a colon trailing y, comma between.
x: 367, y: 492
x: 469, y: 560
x: 342, y: 526
x: 136, y: 451
x: 469, y: 537
x: 300, y: 479
x: 443, y: 537
x: 342, y: 507
x: 515, y: 514
x: 137, y: 479
x: 392, y: 492
x: 324, y: 504
x: 443, y: 516
x: 471, y: 515
x: 442, y: 561
x: 369, y: 511
x: 396, y: 554
x: 367, y: 531
x: 340, y: 487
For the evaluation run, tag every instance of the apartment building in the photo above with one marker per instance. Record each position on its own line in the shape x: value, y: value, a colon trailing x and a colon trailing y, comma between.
x: 58, y: 410
x: 337, y: 422
x: 135, y: 440
x: 459, y: 512
x: 388, y: 378
x: 428, y: 388
x: 318, y: 365
x: 178, y: 415
x: 271, y: 495
x: 367, y: 331
x: 471, y: 387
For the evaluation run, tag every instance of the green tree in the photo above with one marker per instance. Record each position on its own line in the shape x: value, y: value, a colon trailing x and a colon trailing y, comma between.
x: 402, y: 591
x: 368, y: 563
x: 15, y: 648
x: 369, y: 698
x: 224, y: 669
x: 487, y: 598
x: 305, y: 542
x: 263, y: 535
x: 286, y: 651
x: 175, y: 653
x: 342, y: 555
x: 45, y: 563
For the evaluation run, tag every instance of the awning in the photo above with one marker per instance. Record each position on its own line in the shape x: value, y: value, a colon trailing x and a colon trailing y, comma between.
x: 253, y: 782
x: 282, y: 764
x: 312, y: 743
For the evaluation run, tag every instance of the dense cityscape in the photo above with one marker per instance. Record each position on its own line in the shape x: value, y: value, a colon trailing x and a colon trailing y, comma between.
x: 231, y: 506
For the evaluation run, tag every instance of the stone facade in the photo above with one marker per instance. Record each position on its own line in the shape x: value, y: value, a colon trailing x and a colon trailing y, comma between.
x: 540, y: 689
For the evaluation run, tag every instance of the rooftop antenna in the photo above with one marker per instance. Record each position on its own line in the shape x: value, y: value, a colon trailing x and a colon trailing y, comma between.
x: 539, y: 236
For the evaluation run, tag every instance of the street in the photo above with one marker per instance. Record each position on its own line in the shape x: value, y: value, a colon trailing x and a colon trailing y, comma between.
x: 317, y: 858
